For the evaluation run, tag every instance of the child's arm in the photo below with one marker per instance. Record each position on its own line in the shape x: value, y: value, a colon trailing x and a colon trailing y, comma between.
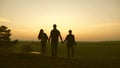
x: 74, y: 40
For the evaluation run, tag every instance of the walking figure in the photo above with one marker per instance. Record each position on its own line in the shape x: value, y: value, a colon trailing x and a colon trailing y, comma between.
x: 54, y: 35
x: 43, y: 37
x: 70, y: 44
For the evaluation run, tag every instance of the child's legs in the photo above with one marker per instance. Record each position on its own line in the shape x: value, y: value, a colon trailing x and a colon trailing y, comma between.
x: 43, y: 48
x: 72, y: 51
x: 68, y: 51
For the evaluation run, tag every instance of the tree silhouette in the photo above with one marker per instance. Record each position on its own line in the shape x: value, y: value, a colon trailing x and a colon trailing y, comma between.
x: 5, y: 36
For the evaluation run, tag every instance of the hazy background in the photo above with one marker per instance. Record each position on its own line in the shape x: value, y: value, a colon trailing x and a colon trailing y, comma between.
x: 90, y: 20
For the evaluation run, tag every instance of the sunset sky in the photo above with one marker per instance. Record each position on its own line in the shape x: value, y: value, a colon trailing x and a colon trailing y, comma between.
x: 90, y: 20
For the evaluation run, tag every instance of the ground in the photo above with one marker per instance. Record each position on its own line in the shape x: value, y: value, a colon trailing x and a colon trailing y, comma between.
x: 87, y: 55
x: 37, y: 61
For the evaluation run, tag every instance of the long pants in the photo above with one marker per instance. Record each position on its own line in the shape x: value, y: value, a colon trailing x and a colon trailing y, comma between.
x: 70, y: 51
x: 54, y: 49
x: 43, y: 48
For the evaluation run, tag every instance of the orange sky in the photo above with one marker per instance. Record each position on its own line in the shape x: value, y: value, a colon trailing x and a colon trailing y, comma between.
x: 90, y: 20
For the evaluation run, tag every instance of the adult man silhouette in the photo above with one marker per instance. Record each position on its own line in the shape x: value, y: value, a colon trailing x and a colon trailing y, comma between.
x: 54, y: 36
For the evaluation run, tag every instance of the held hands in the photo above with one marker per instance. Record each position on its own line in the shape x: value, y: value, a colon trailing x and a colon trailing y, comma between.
x: 48, y: 40
x: 62, y: 41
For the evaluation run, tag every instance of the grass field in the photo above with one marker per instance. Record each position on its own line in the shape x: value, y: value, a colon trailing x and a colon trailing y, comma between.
x: 84, y: 50
x: 87, y: 55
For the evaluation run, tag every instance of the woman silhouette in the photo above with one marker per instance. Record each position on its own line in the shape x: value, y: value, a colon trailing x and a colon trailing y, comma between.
x: 43, y: 37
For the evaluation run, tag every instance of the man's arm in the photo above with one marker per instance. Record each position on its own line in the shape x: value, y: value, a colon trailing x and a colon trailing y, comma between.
x: 61, y: 37
x: 74, y: 40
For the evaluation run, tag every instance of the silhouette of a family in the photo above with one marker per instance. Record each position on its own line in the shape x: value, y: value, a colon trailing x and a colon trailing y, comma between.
x: 53, y: 38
